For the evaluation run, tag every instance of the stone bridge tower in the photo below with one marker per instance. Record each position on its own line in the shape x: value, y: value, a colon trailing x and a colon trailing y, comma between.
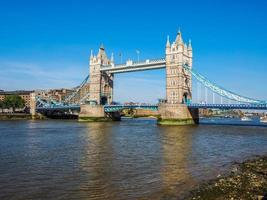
x: 101, y: 83
x: 178, y: 80
x: 178, y: 85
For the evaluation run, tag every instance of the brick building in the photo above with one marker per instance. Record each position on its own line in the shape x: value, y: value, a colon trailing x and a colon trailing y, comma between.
x: 25, y: 95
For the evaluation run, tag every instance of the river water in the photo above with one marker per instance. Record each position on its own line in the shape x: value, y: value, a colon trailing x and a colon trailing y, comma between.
x: 131, y: 159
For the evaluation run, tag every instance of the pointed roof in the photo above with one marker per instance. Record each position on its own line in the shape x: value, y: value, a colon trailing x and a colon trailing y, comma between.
x: 91, y: 56
x: 168, y: 44
x: 190, y: 46
x: 185, y: 49
x: 179, y: 39
x: 112, y: 57
x: 101, y: 52
x: 102, y: 46
x: 185, y: 46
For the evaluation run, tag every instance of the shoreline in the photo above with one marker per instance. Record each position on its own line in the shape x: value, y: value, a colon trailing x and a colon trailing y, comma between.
x: 15, y: 116
x: 245, y: 180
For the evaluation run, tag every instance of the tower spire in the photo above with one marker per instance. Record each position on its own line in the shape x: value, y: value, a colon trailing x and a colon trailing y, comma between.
x: 112, y: 58
x: 91, y: 56
x: 189, y: 46
x: 168, y: 44
x: 179, y: 39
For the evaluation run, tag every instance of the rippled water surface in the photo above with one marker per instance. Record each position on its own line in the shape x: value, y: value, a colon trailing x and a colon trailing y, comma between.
x: 131, y: 159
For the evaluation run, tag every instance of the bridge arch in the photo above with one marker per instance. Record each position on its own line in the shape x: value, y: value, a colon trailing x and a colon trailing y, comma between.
x: 185, y: 99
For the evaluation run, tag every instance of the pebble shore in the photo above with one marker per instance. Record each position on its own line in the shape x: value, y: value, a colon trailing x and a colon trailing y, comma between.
x: 247, y: 180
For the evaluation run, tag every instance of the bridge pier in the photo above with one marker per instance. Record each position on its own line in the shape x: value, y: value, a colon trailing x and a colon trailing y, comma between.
x: 177, y: 114
x: 33, y: 105
x: 96, y: 113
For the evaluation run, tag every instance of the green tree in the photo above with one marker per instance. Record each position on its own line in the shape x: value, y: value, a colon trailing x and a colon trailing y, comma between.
x: 13, y: 101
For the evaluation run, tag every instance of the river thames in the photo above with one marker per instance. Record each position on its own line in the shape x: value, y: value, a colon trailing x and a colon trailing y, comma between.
x: 131, y: 159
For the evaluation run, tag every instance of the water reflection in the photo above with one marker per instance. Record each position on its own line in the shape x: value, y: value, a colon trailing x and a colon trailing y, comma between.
x: 121, y: 160
x: 131, y: 159
x: 176, y: 146
x: 96, y: 162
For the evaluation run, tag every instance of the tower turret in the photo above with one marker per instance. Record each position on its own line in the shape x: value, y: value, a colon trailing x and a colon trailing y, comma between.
x: 179, y: 39
x: 112, y: 58
x: 185, y: 49
x: 190, y: 53
x: 190, y: 46
x: 168, y: 45
x: 179, y: 42
x: 91, y: 55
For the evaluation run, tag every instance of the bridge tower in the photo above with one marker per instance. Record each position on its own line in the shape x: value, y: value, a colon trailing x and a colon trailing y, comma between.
x: 101, y: 83
x: 178, y: 84
x: 178, y: 80
x: 101, y: 89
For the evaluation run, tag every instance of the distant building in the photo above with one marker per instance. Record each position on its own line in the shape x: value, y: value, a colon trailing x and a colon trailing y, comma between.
x: 25, y: 95
x: 83, y: 93
x: 58, y: 95
x: 55, y: 94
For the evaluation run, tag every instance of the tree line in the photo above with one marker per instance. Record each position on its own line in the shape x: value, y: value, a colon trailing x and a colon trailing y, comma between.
x: 12, y: 101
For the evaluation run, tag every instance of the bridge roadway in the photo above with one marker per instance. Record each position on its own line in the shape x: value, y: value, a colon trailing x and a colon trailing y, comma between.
x: 114, y: 108
x: 59, y: 108
x: 229, y: 106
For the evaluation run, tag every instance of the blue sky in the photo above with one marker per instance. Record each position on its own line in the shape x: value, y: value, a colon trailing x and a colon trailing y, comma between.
x: 46, y: 44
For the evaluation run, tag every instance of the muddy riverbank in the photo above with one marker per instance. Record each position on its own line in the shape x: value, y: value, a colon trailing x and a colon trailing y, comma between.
x: 247, y: 180
x: 15, y: 116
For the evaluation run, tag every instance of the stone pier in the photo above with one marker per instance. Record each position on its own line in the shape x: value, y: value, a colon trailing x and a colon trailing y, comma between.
x: 96, y: 113
x: 33, y: 105
x: 177, y: 114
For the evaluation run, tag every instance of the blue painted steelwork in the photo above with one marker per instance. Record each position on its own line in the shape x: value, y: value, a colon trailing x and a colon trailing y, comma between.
x: 221, y: 91
x: 114, y: 108
x: 43, y: 105
x: 50, y: 104
x: 71, y: 96
x: 229, y: 106
x: 245, y: 102
x: 59, y: 108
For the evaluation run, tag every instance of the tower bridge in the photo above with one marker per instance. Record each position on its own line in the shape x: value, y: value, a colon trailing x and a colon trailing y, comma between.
x: 178, y: 107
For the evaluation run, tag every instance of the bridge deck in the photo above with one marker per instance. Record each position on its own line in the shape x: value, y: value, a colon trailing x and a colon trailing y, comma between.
x: 230, y: 106
x: 114, y: 108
